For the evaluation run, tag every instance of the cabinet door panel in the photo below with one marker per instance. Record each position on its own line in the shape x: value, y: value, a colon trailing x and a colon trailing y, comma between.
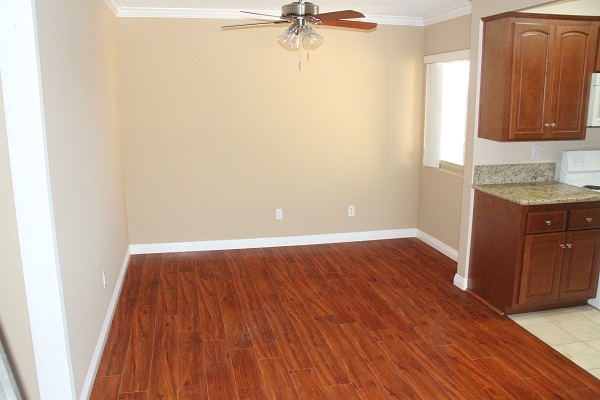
x: 579, y: 274
x: 572, y: 72
x: 532, y: 66
x: 541, y: 268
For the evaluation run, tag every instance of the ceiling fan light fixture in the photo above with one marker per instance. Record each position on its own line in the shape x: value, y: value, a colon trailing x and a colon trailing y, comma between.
x: 290, y: 38
x: 310, y: 39
x: 301, y: 13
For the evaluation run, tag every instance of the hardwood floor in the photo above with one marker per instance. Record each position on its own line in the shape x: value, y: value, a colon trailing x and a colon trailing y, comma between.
x: 370, y: 320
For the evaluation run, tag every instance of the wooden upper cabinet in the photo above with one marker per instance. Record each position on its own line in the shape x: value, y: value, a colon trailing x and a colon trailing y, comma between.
x: 536, y: 76
x: 573, y: 68
x: 533, y: 55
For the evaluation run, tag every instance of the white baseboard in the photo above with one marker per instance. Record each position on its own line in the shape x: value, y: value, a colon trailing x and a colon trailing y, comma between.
x: 438, y: 245
x: 271, y: 242
x: 95, y: 363
x: 461, y: 282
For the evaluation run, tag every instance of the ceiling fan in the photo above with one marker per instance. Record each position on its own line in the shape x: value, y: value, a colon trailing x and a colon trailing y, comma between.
x: 301, y: 13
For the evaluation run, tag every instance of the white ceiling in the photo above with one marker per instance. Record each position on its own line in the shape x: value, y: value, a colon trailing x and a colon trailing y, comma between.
x: 393, y: 12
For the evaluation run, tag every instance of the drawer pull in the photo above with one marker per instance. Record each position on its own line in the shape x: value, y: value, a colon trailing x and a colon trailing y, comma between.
x: 569, y: 245
x: 548, y: 223
x: 588, y: 219
x: 562, y: 246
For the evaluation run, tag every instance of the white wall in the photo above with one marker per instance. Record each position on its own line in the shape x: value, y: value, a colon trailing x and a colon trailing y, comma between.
x: 488, y: 152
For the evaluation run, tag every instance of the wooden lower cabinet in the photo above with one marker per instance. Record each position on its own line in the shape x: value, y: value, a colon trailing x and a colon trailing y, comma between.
x: 579, y: 272
x: 527, y: 258
x: 541, y: 268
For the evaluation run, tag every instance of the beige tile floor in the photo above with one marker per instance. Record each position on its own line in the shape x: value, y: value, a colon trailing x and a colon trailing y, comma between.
x: 574, y: 332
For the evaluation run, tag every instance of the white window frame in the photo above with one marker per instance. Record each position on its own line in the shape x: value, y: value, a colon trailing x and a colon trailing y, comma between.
x: 432, y: 141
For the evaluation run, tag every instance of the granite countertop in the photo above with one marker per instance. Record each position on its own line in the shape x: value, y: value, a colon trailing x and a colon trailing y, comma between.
x: 539, y: 192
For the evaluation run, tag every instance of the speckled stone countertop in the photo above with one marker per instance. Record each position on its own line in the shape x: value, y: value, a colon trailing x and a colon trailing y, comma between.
x: 540, y: 193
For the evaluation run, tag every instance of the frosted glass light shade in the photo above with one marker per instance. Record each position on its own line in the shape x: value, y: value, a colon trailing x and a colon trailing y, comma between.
x: 290, y: 38
x: 310, y: 39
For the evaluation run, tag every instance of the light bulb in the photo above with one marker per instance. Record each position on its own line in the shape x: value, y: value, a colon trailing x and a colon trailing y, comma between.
x: 310, y: 39
x: 290, y: 38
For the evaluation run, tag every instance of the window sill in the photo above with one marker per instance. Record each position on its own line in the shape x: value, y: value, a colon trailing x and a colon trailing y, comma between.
x: 451, y: 167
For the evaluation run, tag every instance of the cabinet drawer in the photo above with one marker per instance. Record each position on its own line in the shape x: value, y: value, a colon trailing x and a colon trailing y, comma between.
x: 584, y: 219
x: 554, y: 221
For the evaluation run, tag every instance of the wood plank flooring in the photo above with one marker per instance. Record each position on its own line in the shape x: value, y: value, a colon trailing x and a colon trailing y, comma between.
x: 370, y: 320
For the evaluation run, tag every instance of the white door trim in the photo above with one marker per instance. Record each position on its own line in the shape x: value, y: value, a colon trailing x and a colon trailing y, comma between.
x: 23, y: 104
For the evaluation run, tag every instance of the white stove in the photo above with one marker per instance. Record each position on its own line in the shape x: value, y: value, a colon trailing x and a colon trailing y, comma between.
x: 581, y: 168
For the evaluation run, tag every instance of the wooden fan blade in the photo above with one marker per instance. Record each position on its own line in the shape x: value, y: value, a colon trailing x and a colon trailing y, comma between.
x: 255, y: 23
x: 346, y: 14
x: 351, y: 24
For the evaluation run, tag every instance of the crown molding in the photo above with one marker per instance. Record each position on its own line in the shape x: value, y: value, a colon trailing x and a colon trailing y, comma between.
x: 158, y: 12
x: 455, y: 12
x: 114, y: 6
x: 180, y: 12
x: 395, y: 20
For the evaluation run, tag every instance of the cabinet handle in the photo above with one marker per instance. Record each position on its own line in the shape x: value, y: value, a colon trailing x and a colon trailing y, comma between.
x: 547, y: 125
x: 553, y: 125
x: 548, y: 223
x: 588, y: 219
x: 562, y: 246
x: 569, y: 245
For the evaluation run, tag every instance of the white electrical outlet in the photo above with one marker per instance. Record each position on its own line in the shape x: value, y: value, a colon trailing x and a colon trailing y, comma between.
x: 351, y: 211
x: 278, y: 213
x: 535, y: 151
x: 104, y: 278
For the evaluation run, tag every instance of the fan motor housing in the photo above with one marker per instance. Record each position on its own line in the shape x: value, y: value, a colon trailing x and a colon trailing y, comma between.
x: 299, y: 8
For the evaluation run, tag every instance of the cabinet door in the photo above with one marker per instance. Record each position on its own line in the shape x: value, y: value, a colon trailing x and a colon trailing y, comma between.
x: 533, y: 54
x: 579, y: 273
x: 541, y: 268
x: 573, y: 67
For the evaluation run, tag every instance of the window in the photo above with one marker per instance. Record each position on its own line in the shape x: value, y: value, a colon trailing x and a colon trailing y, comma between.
x: 446, y: 109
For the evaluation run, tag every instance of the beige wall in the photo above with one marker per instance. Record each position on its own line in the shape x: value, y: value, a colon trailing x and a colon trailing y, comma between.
x: 440, y: 191
x: 77, y: 43
x: 451, y: 35
x: 14, y: 317
x: 220, y: 128
x: 440, y: 195
x: 481, y: 151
